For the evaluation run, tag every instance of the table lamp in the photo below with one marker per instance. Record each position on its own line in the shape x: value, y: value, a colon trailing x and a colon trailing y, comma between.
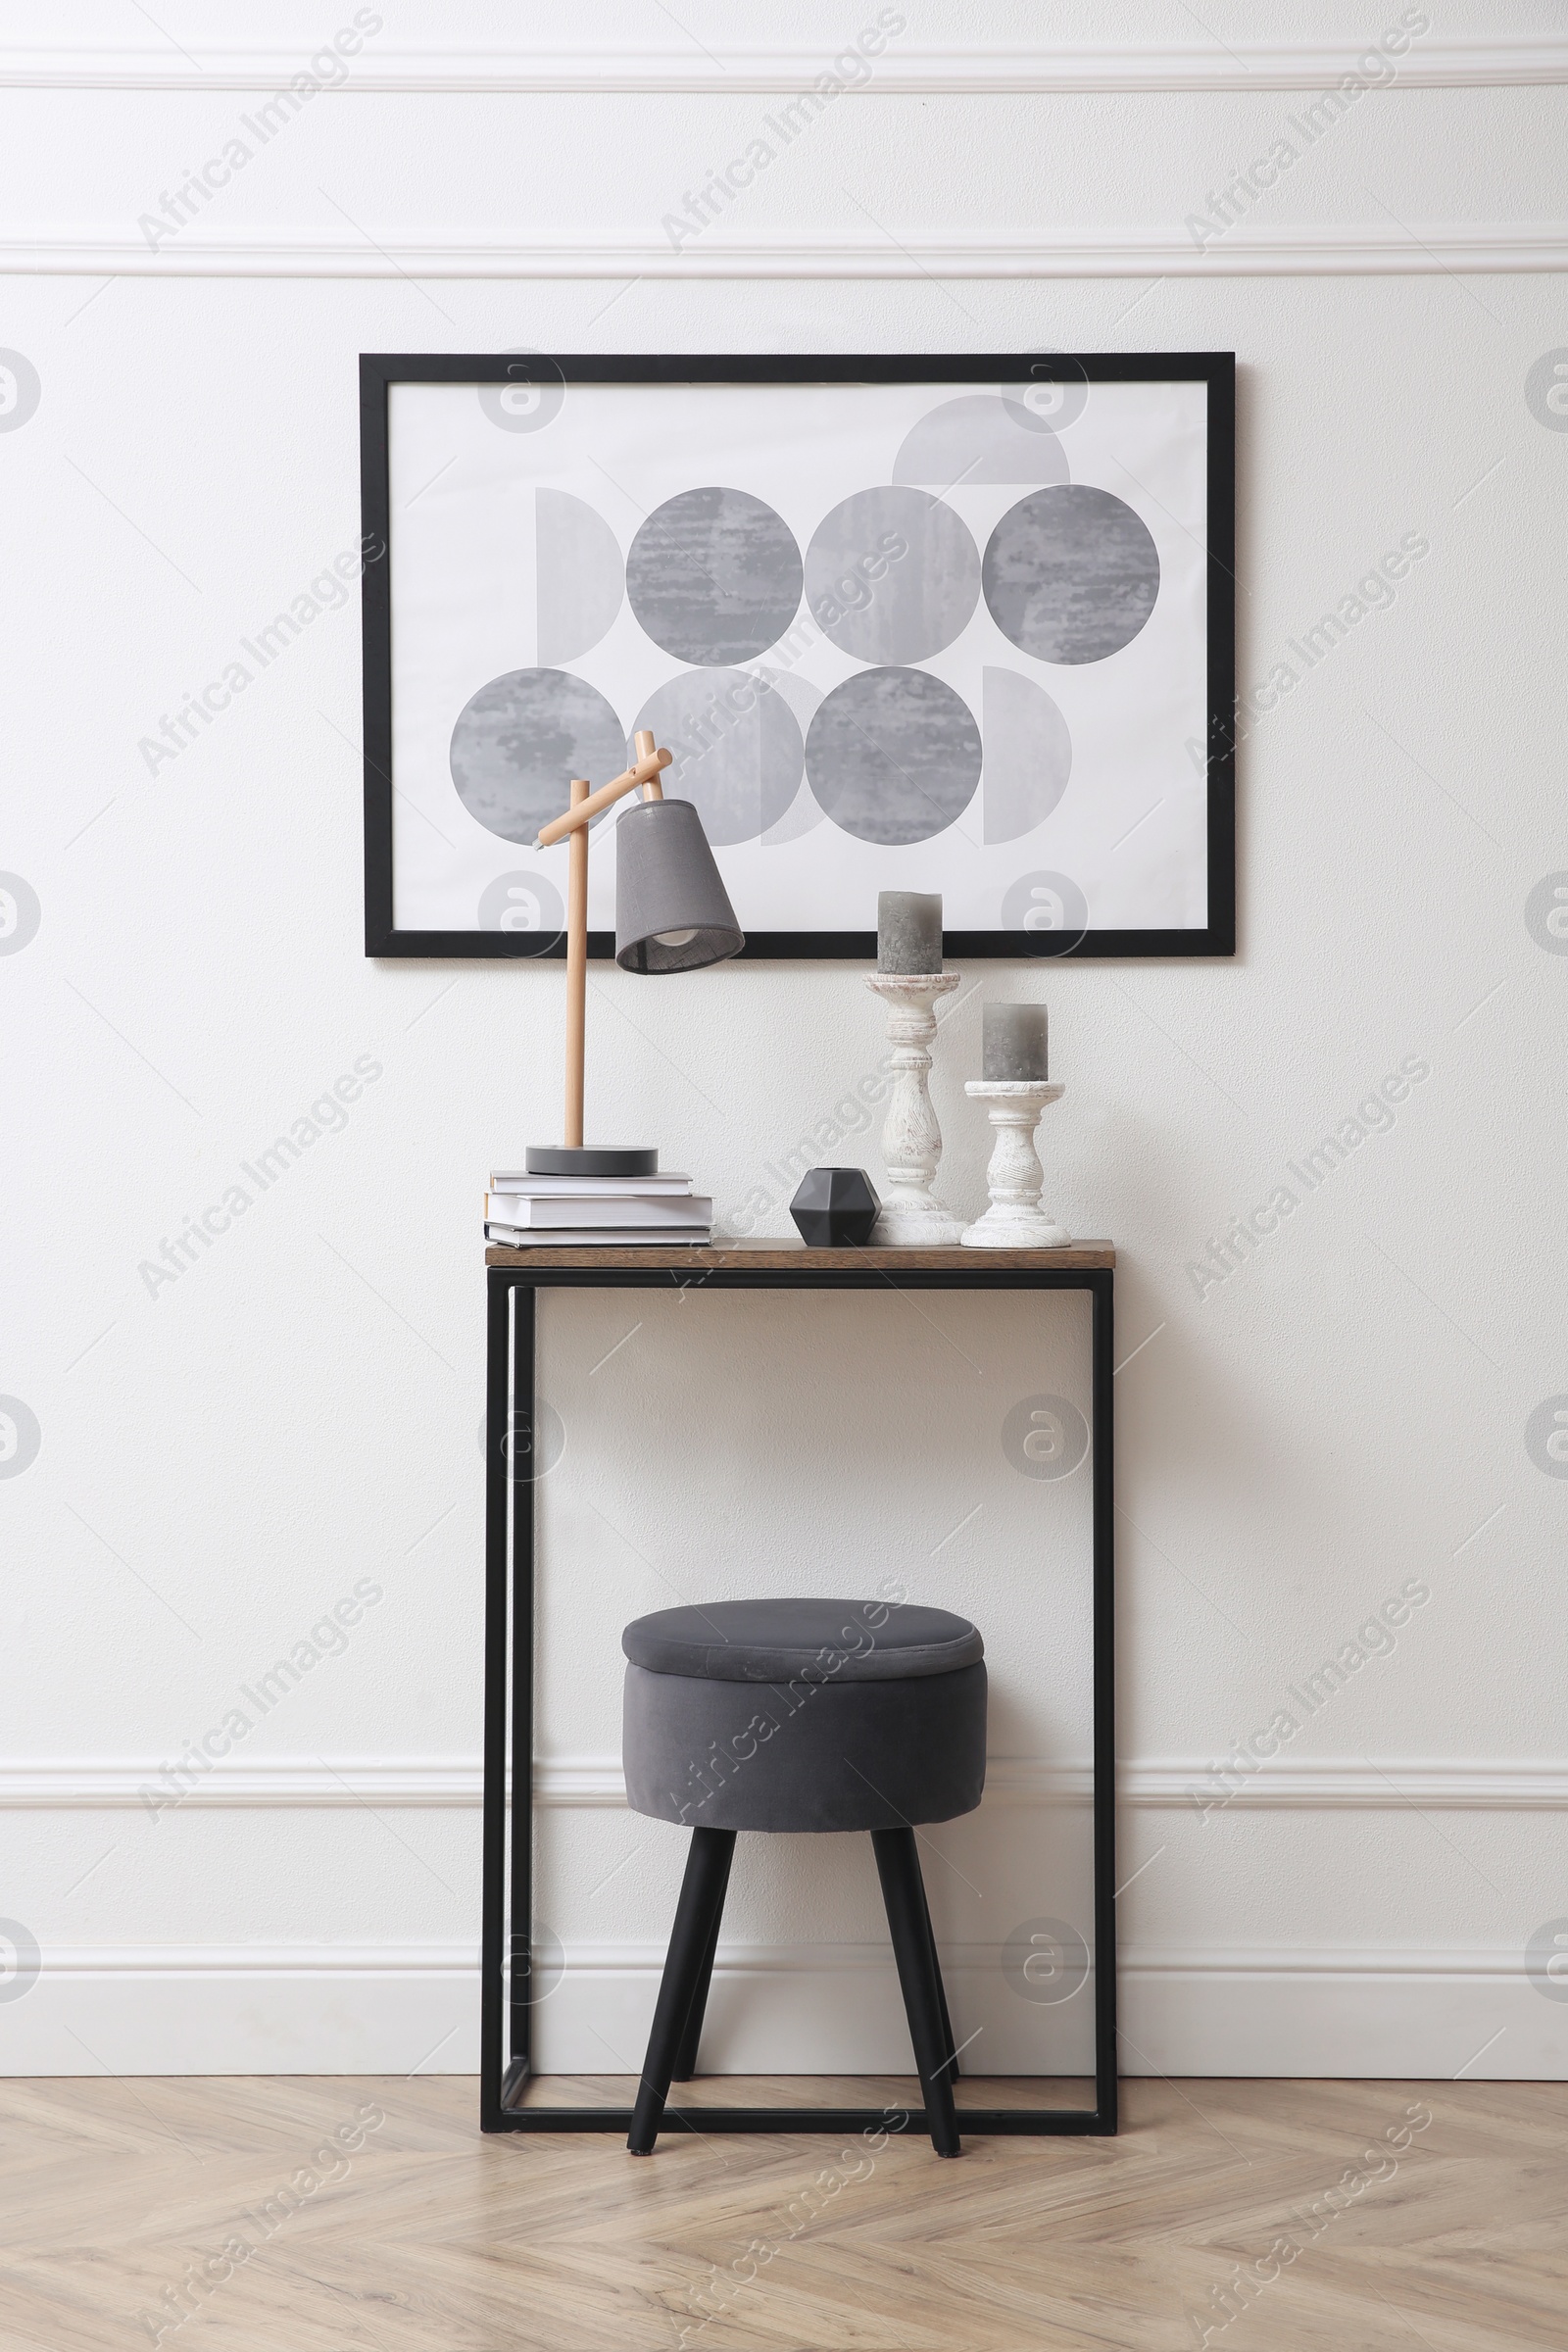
x: 672, y: 914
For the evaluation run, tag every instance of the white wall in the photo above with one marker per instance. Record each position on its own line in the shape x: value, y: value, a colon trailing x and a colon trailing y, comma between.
x: 222, y: 1463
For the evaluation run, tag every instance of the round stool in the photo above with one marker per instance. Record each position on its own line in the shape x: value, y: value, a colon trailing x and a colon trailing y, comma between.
x: 801, y: 1715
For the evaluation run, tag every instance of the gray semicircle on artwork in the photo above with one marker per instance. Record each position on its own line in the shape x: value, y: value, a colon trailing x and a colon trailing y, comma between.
x: 521, y: 740
x: 892, y: 574
x: 805, y: 811
x: 713, y: 576
x: 578, y: 574
x: 979, y: 437
x: 893, y: 755
x: 1028, y: 755
x: 1071, y: 573
x: 738, y: 747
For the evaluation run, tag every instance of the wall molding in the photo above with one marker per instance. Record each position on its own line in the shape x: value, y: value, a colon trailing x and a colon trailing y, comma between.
x: 271, y: 1961
x: 1285, y: 1783
x: 680, y: 68
x: 1381, y: 2012
x: 84, y: 1783
x: 1475, y: 1964
x: 1141, y: 253
x: 1447, y: 249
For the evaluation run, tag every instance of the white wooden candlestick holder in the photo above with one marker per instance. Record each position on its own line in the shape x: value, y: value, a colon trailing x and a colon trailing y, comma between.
x: 1016, y: 1219
x: 911, y: 1140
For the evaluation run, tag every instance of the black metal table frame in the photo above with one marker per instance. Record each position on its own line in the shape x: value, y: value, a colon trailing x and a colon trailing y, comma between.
x: 504, y: 2011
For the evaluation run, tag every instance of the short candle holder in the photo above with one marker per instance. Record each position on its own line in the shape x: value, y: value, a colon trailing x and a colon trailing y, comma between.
x: 1016, y: 1219
x: 911, y: 1140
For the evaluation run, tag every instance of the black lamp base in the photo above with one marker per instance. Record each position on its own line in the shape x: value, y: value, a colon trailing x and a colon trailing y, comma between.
x: 576, y: 1160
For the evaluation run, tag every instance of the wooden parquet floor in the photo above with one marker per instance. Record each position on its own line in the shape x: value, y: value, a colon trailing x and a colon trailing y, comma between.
x: 330, y: 2215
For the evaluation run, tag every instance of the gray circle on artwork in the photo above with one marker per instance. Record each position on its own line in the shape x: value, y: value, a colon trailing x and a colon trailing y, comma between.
x: 714, y: 576
x: 1545, y: 913
x: 893, y: 756
x: 1048, y: 909
x: 520, y: 742
x: 21, y: 1960
x: 20, y: 1437
x: 1028, y: 755
x: 976, y: 439
x: 1547, y: 1960
x: 1070, y: 573
x: 1045, y: 1437
x: 19, y: 390
x: 1546, y: 1436
x: 20, y: 913
x: 737, y: 746
x: 1545, y: 391
x: 803, y: 815
x: 578, y: 575
x: 525, y: 904
x: 531, y: 396
x: 892, y: 574
x: 1045, y: 1960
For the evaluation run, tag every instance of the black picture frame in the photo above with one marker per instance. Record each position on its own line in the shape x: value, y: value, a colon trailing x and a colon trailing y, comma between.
x: 1216, y: 369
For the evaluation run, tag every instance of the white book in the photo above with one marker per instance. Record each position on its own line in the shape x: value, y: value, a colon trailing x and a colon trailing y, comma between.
x: 588, y: 1188
x: 521, y: 1237
x: 682, y: 1211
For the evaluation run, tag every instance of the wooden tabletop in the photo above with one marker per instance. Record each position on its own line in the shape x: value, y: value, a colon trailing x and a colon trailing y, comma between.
x: 776, y: 1255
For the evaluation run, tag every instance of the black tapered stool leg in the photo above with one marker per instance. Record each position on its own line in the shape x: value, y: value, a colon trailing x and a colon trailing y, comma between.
x: 949, y: 2045
x: 697, y: 1915
x: 692, y: 2034
x: 898, y: 1864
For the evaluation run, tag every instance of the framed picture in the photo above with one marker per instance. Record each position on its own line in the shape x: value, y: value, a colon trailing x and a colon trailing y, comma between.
x: 957, y: 624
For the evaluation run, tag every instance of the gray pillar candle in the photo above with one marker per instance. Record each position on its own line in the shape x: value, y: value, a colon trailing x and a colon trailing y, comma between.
x: 908, y: 931
x: 1013, y: 1043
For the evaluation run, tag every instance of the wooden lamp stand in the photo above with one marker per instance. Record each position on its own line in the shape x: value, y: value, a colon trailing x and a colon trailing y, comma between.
x: 572, y: 826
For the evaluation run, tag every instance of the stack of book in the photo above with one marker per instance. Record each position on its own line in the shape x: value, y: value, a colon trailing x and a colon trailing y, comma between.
x: 559, y: 1212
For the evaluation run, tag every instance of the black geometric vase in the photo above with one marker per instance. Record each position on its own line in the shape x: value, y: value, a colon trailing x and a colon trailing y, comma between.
x: 835, y: 1208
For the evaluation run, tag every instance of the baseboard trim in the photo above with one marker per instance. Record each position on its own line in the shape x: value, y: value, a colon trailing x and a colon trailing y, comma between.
x: 1284, y: 1783
x: 1360, y: 2012
x: 1504, y: 248
x: 1473, y: 1964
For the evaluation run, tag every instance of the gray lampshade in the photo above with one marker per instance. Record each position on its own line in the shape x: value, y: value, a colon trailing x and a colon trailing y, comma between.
x: 672, y: 912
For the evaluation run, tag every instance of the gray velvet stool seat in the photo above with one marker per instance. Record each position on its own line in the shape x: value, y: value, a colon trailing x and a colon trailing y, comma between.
x: 801, y: 1715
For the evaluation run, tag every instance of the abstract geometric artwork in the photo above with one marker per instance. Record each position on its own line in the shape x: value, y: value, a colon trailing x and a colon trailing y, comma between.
x: 959, y: 626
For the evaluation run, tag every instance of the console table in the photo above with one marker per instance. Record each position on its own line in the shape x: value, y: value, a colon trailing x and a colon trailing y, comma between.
x: 513, y: 1279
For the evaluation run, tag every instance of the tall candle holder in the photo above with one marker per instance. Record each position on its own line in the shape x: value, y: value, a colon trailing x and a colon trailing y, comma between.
x: 911, y: 1139
x: 1015, y: 1178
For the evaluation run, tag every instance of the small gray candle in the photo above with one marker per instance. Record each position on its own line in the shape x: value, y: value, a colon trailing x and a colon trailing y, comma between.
x: 908, y: 931
x: 1013, y: 1043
